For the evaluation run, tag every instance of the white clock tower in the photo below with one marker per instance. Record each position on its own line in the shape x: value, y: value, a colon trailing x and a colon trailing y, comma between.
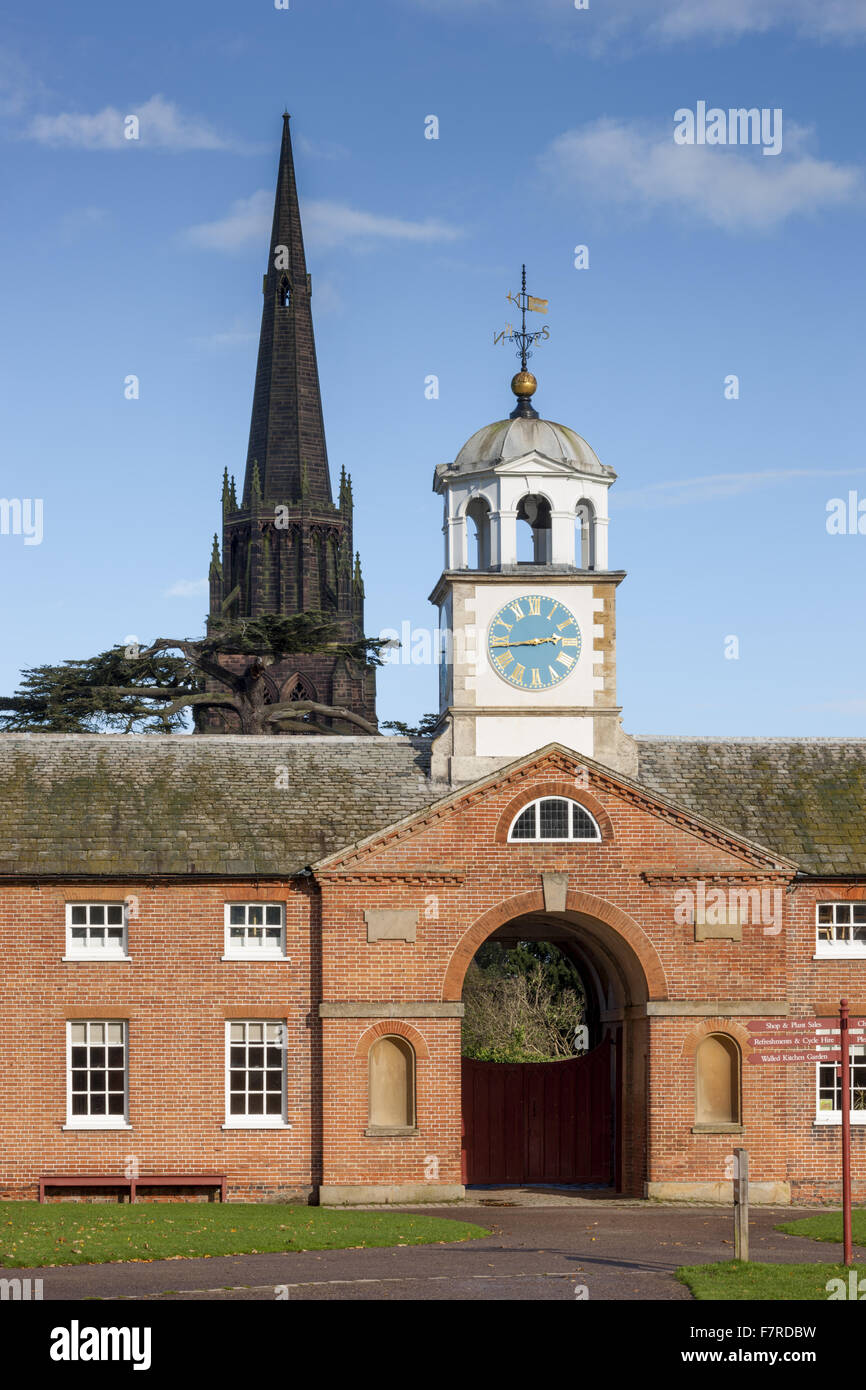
x: 527, y: 604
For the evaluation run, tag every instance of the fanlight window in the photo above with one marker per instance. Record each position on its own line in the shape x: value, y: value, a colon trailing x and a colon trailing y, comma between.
x: 554, y: 818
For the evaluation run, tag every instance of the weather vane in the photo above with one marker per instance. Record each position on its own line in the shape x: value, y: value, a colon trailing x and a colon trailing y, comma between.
x: 523, y: 384
x: 524, y: 339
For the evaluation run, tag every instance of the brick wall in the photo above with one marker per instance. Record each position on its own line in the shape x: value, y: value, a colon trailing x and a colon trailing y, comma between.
x: 455, y: 870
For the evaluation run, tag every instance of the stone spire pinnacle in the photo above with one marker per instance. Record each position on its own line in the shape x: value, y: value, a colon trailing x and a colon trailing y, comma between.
x: 287, y: 431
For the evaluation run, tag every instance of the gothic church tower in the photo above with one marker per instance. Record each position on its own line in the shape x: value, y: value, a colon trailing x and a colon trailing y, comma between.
x: 286, y: 546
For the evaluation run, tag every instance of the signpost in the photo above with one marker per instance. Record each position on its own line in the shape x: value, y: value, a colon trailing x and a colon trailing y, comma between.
x: 782, y: 1040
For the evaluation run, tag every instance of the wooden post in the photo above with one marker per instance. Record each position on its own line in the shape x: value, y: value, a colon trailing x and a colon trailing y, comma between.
x: 741, y: 1204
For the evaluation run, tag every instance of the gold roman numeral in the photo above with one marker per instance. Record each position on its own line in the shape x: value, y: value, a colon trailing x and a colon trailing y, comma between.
x: 516, y: 609
x: 567, y: 623
x: 569, y: 641
x: 518, y: 673
x: 567, y: 661
x: 534, y: 607
x: 536, y: 677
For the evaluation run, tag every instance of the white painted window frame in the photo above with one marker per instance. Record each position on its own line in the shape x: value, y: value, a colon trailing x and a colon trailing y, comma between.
x: 554, y: 840
x: 834, y: 1117
x: 96, y: 1122
x: 257, y: 1121
x: 232, y: 951
x: 837, y: 950
x: 75, y: 951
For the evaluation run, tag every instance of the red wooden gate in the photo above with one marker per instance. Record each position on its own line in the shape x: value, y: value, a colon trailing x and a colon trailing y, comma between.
x: 538, y: 1121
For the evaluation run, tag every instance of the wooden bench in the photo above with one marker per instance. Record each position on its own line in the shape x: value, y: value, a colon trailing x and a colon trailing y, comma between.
x: 141, y: 1180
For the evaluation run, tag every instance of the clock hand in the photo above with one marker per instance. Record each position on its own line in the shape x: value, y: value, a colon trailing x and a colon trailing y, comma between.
x: 527, y: 642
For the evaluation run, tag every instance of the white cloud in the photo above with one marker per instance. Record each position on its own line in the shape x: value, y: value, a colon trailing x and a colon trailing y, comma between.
x: 665, y: 22
x: 77, y: 222
x: 335, y: 224
x: 679, y: 491
x: 729, y: 186
x: 672, y: 21
x: 320, y: 149
x: 18, y: 86
x: 187, y: 588
x: 326, y: 297
x: 248, y: 220
x: 326, y: 224
x: 227, y: 338
x: 162, y: 125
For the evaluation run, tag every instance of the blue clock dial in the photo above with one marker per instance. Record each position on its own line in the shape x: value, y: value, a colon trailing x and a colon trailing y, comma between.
x: 534, y: 642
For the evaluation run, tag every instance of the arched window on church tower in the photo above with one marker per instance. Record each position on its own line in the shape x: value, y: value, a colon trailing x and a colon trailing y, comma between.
x: 478, y: 534
x: 391, y: 1064
x: 297, y: 687
x: 285, y: 293
x: 534, y: 533
x: 717, y: 1081
x: 584, y: 535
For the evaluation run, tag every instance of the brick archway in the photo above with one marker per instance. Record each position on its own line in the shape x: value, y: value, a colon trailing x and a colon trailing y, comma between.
x: 387, y: 1028
x: 637, y: 943
x: 590, y: 1126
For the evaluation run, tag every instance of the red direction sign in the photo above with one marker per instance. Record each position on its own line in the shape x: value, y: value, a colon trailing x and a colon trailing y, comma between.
x: 785, y: 1055
x: 779, y: 1040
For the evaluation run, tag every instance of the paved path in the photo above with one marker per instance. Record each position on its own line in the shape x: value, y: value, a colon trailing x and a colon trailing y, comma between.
x: 619, y: 1252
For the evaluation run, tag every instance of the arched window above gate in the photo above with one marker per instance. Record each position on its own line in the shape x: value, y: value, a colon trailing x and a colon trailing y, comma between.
x: 554, y: 818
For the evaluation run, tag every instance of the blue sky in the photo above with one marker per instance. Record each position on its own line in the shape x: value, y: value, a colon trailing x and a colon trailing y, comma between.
x: 555, y: 129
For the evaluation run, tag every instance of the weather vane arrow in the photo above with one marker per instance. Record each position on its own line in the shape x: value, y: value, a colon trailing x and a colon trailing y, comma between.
x: 523, y: 337
x: 523, y: 384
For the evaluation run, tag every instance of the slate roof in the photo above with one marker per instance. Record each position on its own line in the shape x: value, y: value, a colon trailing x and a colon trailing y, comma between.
x: 803, y: 798
x: 79, y: 804
x: 205, y: 804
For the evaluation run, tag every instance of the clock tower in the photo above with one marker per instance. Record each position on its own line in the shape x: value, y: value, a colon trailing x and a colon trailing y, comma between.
x: 527, y: 603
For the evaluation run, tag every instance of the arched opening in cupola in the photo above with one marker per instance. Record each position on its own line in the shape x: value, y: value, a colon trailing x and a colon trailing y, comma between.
x: 534, y: 531
x: 584, y: 535
x: 478, y: 534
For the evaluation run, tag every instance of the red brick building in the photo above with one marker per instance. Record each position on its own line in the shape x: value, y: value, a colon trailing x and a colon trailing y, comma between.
x: 245, y: 955
x: 198, y: 961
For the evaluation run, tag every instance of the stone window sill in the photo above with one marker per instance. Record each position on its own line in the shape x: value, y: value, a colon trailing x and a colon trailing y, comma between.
x: 392, y: 1132
x: 718, y: 1129
x: 256, y: 1124
x: 97, y: 1129
x: 259, y: 956
x: 96, y: 958
x: 833, y: 1117
x: 843, y: 952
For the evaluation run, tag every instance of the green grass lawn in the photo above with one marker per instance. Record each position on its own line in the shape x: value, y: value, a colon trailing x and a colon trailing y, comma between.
x: 74, y: 1233
x: 827, y: 1225
x: 734, y: 1281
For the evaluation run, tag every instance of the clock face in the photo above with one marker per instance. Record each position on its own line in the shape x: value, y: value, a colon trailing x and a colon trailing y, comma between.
x: 534, y: 642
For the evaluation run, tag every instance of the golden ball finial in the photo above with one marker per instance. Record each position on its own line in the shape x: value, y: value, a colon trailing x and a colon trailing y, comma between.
x: 524, y: 384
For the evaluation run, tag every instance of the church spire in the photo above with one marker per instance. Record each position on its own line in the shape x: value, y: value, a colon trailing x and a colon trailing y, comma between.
x: 287, y: 549
x: 287, y: 432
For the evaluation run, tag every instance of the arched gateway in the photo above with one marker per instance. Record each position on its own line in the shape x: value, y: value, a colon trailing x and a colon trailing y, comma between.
x: 577, y: 1121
